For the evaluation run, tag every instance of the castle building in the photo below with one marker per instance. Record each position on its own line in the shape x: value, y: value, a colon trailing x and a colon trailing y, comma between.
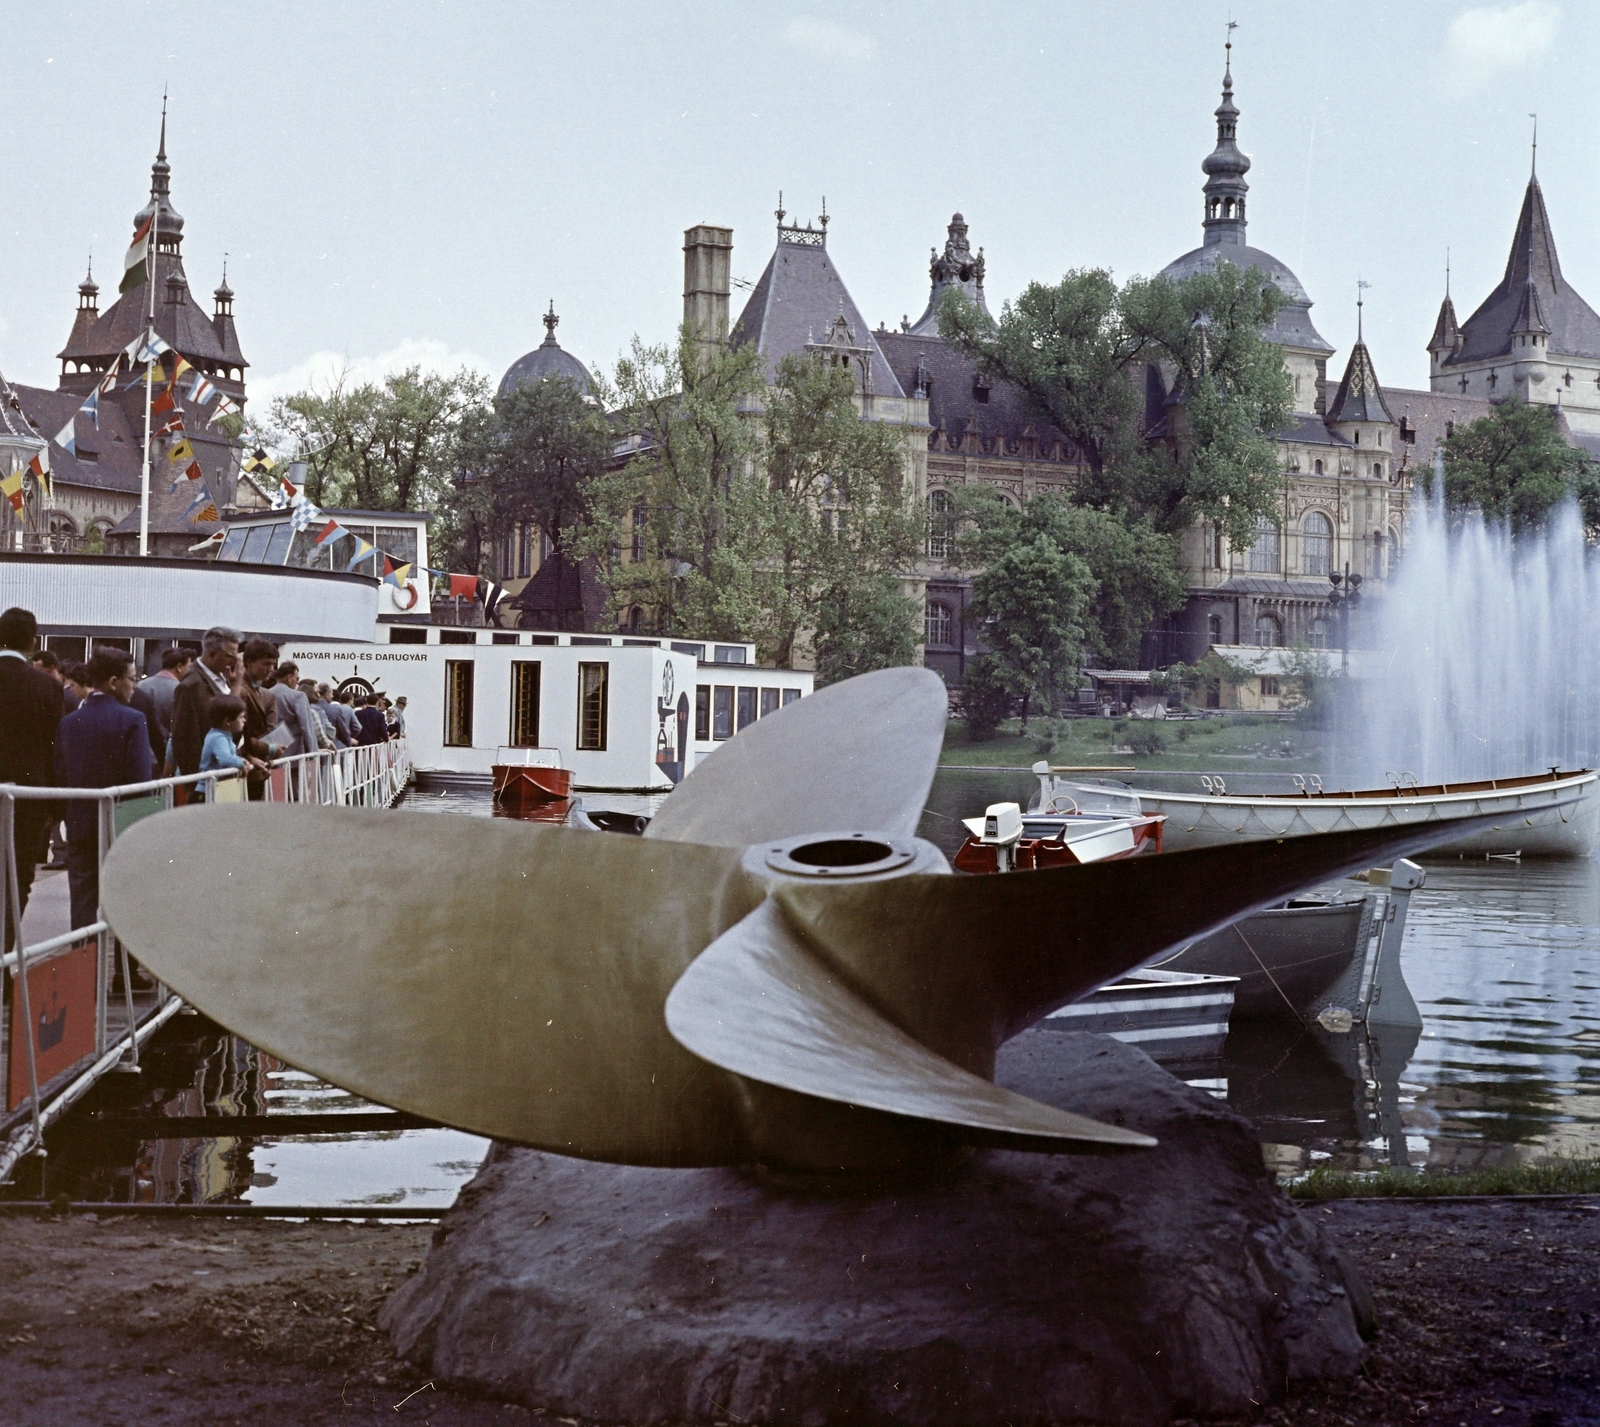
x: 1532, y: 337
x: 95, y: 491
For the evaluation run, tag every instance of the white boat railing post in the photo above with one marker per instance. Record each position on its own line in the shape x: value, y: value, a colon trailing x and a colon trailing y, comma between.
x: 13, y: 910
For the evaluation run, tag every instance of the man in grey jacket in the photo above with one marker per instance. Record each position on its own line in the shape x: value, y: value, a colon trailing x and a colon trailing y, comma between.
x: 294, y: 712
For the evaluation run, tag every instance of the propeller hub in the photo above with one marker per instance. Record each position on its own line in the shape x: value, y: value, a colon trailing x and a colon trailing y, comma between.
x: 839, y: 856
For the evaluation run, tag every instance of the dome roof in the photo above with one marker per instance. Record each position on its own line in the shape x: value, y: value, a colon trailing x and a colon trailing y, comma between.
x: 1292, y: 326
x: 546, y: 360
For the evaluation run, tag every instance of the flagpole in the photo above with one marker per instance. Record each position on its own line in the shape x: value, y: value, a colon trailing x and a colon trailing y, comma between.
x: 149, y: 333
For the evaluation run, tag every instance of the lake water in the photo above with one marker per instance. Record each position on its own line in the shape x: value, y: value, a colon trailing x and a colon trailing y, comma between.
x: 1503, y: 959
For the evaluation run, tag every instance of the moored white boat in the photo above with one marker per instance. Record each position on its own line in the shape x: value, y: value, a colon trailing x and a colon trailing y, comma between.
x: 1554, y: 814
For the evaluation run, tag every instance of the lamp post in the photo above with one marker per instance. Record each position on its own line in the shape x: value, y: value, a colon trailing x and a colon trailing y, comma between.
x: 1343, y: 600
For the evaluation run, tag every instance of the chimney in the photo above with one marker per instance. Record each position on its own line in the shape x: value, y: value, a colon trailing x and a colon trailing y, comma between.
x: 707, y: 259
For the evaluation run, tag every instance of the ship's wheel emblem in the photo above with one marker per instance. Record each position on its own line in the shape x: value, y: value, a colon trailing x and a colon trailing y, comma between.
x: 666, y: 683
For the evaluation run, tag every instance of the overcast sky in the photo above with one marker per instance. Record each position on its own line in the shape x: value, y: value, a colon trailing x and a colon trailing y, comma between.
x: 413, y: 182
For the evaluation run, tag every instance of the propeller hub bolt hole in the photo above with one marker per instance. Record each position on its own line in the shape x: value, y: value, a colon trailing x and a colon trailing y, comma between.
x: 841, y: 852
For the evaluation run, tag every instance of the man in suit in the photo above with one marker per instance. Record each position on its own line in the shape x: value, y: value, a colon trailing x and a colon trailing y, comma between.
x: 103, y: 743
x: 30, y: 711
x: 371, y: 721
x: 294, y: 712
x: 162, y: 687
x: 216, y: 672
x: 260, y: 658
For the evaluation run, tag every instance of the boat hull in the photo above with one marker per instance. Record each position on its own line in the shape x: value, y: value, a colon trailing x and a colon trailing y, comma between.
x: 1171, y: 1016
x: 531, y: 784
x: 1541, y: 820
x: 1287, y: 959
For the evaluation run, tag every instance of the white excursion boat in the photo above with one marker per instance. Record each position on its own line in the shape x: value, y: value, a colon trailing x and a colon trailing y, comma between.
x: 1554, y: 814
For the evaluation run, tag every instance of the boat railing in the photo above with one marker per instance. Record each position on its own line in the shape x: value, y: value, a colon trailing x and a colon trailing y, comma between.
x: 82, y: 977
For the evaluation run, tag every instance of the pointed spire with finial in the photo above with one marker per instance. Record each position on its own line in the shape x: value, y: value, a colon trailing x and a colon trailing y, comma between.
x: 1533, y: 167
x: 550, y: 321
x: 169, y: 228
x: 89, y: 290
x: 1226, y: 166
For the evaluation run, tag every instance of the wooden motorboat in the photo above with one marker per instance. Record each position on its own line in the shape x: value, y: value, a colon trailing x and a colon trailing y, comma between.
x: 1554, y: 814
x: 1004, y: 840
x: 530, y: 775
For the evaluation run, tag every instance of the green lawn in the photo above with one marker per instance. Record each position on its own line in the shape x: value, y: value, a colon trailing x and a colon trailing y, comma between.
x: 1236, y: 742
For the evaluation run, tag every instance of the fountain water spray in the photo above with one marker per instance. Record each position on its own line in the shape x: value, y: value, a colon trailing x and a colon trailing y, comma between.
x: 1487, y: 655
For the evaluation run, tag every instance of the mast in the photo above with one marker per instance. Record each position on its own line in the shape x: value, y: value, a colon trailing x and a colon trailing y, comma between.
x: 149, y: 334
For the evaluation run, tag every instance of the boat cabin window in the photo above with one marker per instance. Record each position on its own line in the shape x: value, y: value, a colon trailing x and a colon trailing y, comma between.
x: 458, y: 703
x: 698, y: 650
x: 789, y: 696
x: 458, y: 636
x: 506, y: 638
x: 401, y: 634
x: 278, y: 546
x: 702, y: 713
x: 722, y: 712
x: 255, y: 544
x: 525, y: 703
x: 730, y: 654
x: 747, y: 707
x: 769, y: 701
x: 592, y: 691
x: 232, y: 544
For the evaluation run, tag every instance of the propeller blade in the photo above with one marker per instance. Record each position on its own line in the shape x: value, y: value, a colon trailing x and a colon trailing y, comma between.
x: 758, y: 1003
x: 501, y: 977
x: 961, y: 964
x: 858, y: 754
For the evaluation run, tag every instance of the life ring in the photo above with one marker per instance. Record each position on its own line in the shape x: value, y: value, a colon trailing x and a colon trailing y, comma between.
x: 411, y: 590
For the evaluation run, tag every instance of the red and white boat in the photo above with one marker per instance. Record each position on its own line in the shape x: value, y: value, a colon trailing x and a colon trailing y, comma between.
x: 1005, y: 839
x: 530, y: 775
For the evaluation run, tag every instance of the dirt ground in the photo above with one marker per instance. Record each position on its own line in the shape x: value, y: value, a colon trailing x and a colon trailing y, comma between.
x: 1490, y: 1316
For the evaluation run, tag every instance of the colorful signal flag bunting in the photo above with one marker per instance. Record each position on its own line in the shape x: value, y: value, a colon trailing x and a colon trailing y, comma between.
x: 363, y: 549
x: 11, y: 489
x: 332, y: 533
x: 67, y: 436
x: 40, y: 466
x: 181, y: 451
x: 465, y: 586
x: 396, y: 575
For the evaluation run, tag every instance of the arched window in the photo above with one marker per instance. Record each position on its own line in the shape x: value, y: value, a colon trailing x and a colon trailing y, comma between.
x: 1377, y: 470
x: 1269, y: 632
x: 1214, y: 629
x: 938, y: 623
x: 1264, y: 553
x: 1316, y: 544
x: 635, y: 620
x: 939, y: 525
x: 1316, y: 468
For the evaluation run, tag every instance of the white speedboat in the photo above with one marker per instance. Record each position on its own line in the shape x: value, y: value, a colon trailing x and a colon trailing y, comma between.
x: 1554, y: 814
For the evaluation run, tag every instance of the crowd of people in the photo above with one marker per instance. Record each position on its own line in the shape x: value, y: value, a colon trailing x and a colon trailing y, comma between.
x: 98, y: 725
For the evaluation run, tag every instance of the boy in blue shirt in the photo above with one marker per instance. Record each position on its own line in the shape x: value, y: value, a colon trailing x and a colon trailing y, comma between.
x: 221, y: 747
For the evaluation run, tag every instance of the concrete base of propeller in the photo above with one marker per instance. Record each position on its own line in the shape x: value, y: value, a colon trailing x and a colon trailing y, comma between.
x: 1123, y: 1289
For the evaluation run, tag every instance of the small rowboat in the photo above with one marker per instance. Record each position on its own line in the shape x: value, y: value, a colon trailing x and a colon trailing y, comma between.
x: 530, y: 775
x: 1552, y: 814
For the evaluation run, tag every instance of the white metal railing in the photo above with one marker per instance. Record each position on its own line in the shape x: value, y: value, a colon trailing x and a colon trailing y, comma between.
x: 370, y: 776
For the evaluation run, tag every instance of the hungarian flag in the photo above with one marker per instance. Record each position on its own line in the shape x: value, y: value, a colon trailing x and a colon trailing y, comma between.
x: 40, y: 466
x: 181, y: 452
x: 332, y: 533
x: 466, y: 586
x: 163, y: 403
x: 136, y: 266
x: 11, y: 489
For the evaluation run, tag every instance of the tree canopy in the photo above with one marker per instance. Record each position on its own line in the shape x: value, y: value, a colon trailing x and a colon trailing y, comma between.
x: 757, y: 512
x: 1515, y: 465
x: 1078, y: 350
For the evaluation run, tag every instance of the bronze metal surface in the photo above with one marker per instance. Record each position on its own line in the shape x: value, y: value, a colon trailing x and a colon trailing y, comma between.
x: 858, y: 754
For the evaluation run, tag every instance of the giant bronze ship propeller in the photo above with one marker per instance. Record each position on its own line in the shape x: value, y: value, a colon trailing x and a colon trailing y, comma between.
x: 779, y: 971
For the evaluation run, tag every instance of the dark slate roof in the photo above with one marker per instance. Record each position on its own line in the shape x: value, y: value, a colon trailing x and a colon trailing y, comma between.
x: 180, y: 320
x: 115, y: 445
x: 1270, y: 585
x: 798, y: 303
x: 1360, y: 396
x: 563, y: 594
x: 1573, y: 325
x: 1310, y: 430
x: 1292, y: 327
x: 1446, y: 329
x: 546, y: 360
x: 953, y: 406
x: 1427, y: 417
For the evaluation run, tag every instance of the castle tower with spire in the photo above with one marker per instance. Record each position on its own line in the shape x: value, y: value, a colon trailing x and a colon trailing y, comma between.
x: 210, y: 344
x: 1532, y: 337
